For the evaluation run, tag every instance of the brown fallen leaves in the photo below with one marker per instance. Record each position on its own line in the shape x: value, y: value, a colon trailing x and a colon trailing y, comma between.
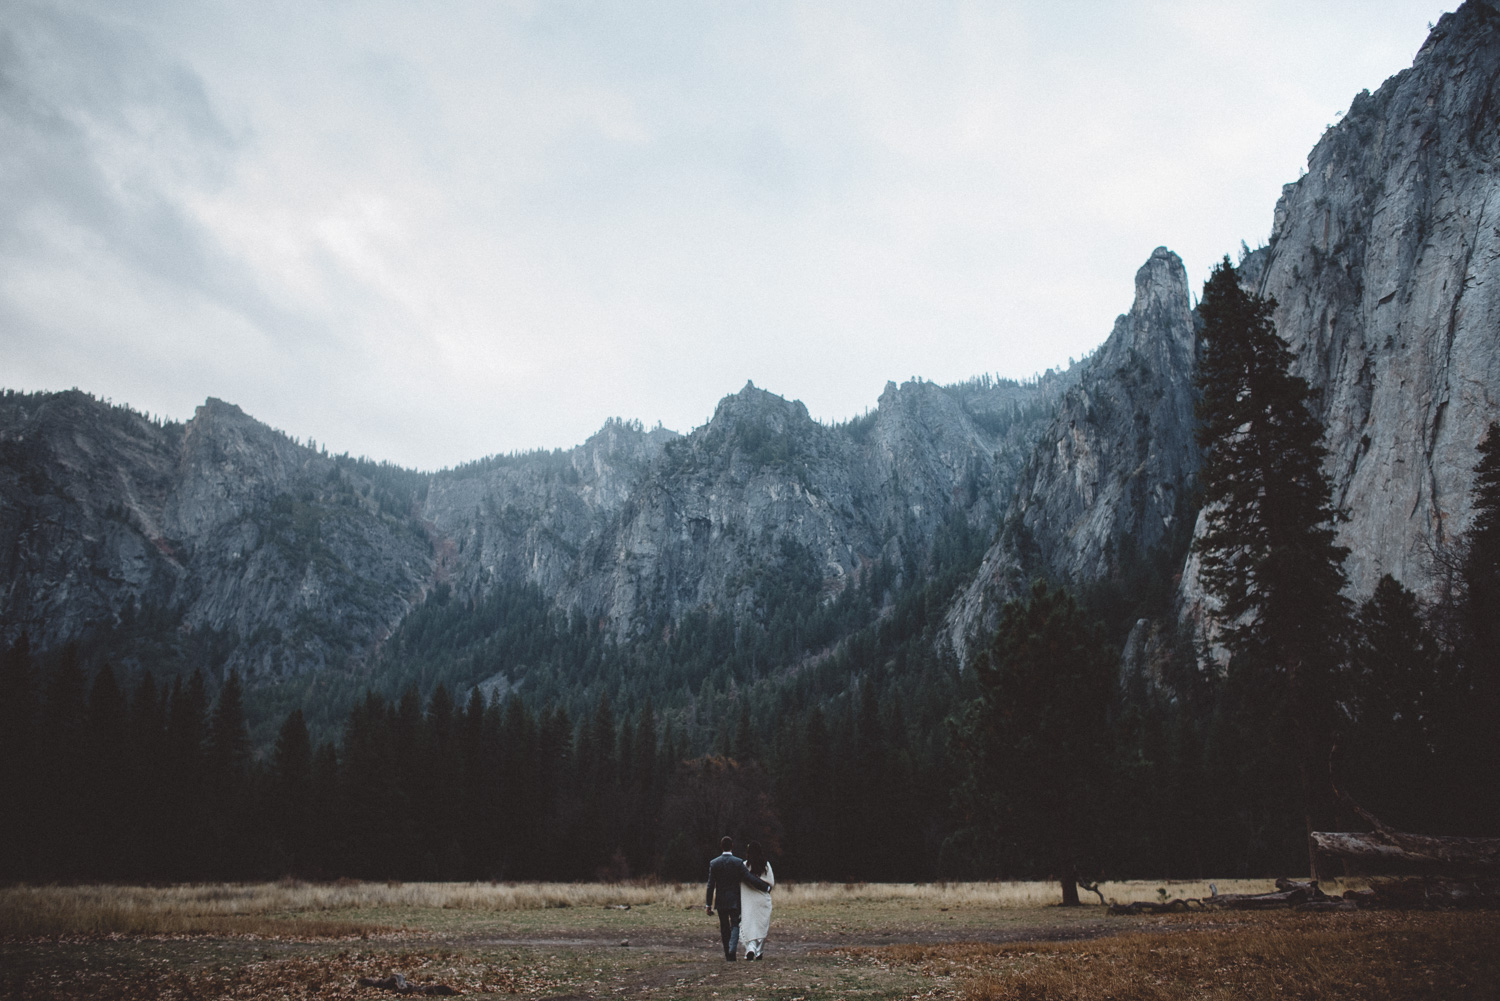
x: 1245, y: 957
x: 326, y: 978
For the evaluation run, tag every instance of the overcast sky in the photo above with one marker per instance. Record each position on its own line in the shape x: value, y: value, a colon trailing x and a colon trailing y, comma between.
x: 426, y: 232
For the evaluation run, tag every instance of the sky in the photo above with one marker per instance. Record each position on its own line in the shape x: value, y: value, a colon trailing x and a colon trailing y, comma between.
x: 426, y: 232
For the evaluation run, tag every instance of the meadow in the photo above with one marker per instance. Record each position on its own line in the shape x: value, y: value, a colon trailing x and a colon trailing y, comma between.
x: 971, y: 941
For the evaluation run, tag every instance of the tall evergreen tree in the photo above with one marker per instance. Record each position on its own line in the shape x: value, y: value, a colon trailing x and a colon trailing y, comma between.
x: 291, y: 796
x: 1037, y: 734
x: 185, y: 782
x: 107, y: 776
x: 149, y: 803
x: 20, y: 760
x: 64, y: 806
x: 1481, y: 640
x: 228, y: 764
x: 1402, y: 708
x: 1267, y: 551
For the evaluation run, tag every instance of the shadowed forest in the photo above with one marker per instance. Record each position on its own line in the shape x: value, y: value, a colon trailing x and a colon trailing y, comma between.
x: 628, y: 760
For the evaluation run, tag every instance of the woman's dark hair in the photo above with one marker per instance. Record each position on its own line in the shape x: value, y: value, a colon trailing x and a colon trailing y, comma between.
x: 755, y: 858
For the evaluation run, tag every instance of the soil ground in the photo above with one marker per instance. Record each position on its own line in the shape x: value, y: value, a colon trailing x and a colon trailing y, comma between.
x: 824, y: 949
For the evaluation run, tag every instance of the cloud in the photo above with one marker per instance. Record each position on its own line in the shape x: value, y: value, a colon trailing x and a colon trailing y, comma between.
x: 428, y: 233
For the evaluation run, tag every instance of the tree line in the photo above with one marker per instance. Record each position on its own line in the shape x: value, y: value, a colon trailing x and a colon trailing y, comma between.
x: 838, y: 733
x: 159, y: 783
x: 1298, y: 704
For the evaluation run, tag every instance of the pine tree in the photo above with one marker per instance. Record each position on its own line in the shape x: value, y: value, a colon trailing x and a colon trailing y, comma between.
x: 228, y: 763
x: 64, y: 807
x: 185, y: 781
x: 1268, y: 552
x: 1038, y: 731
x: 1402, y: 706
x: 20, y: 760
x: 292, y: 794
x: 477, y: 829
x: 107, y: 775
x: 1481, y: 638
x: 149, y: 805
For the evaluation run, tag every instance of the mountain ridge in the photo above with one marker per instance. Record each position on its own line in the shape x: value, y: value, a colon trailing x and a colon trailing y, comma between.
x: 243, y: 549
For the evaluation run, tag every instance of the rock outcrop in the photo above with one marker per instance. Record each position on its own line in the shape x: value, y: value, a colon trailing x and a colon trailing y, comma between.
x: 1113, y: 468
x: 279, y: 558
x: 762, y: 479
x: 1384, y: 260
x: 222, y: 528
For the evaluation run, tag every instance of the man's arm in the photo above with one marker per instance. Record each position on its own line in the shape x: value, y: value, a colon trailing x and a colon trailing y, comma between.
x: 708, y: 898
x: 748, y: 877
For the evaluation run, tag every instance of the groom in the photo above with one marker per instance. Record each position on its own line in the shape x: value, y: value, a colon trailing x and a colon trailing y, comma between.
x: 725, y: 874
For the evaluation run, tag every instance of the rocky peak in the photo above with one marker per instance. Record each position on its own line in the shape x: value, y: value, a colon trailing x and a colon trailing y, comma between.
x: 1154, y: 328
x: 230, y: 464
x: 1112, y: 468
x: 759, y: 406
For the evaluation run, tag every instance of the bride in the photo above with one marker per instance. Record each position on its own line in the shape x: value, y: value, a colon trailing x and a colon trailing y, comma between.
x: 755, y: 905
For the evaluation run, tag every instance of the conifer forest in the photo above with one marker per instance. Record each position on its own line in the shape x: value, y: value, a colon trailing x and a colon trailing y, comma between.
x: 619, y: 760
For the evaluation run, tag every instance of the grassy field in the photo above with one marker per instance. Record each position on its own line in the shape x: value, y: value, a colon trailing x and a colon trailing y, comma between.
x: 829, y: 941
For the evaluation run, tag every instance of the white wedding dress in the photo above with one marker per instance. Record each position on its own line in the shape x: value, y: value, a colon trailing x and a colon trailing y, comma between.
x: 755, y: 915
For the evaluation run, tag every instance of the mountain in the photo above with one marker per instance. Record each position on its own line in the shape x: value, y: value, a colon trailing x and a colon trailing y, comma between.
x: 219, y: 537
x: 224, y: 542
x: 1384, y: 260
x: 1111, y: 479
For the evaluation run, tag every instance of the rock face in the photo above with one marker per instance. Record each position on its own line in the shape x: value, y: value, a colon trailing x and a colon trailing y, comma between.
x: 221, y: 528
x: 281, y: 558
x: 1385, y: 262
x: 762, y: 480
x: 528, y: 517
x: 638, y: 528
x: 1384, y: 259
x: 1113, y: 468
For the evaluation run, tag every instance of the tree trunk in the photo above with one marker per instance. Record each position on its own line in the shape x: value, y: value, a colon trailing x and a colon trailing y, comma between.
x: 1307, y: 821
x: 1070, y: 884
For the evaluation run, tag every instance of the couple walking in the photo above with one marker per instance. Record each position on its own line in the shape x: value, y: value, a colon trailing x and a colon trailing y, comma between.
x: 742, y: 890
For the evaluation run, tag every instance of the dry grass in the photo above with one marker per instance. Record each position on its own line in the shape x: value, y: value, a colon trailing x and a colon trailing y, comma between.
x: 302, y: 910
x: 1010, y: 894
x: 1246, y: 957
x: 53, y: 912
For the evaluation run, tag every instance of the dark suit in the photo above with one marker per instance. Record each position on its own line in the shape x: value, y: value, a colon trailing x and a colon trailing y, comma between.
x: 725, y: 874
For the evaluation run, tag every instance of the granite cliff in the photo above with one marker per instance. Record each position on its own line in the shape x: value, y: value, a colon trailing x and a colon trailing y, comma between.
x: 259, y: 553
x: 1110, y: 479
x: 1384, y: 260
x: 221, y: 532
x: 229, y: 538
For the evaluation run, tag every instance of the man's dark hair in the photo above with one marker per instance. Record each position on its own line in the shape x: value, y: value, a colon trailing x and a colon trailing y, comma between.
x: 726, y: 844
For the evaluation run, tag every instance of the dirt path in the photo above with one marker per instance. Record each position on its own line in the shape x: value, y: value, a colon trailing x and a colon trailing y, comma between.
x: 690, y: 966
x: 707, y: 941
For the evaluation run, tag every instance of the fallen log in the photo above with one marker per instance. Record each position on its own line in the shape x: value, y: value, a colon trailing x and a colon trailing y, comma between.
x: 398, y: 983
x: 1258, y: 901
x: 1436, y: 893
x: 1388, y: 849
x: 1394, y: 850
x: 1328, y: 904
x: 1178, y: 906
